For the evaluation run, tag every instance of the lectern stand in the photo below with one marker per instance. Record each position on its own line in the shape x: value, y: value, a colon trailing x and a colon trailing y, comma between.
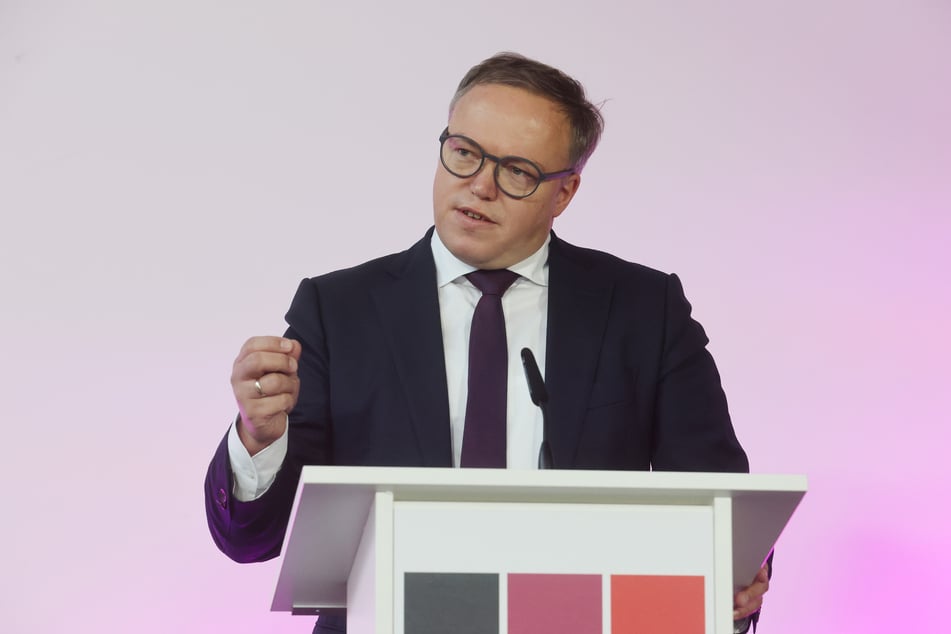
x: 375, y: 540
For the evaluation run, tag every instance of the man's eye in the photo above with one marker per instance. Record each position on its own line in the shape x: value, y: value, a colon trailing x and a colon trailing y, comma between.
x: 520, y: 172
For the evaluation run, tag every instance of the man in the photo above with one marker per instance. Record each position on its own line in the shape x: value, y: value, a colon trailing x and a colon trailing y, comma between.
x: 374, y: 366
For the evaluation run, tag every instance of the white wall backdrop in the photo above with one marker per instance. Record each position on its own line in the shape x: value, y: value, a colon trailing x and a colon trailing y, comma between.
x: 170, y: 170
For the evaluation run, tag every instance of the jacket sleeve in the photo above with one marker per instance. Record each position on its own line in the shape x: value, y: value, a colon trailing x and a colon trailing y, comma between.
x: 692, y: 430
x: 254, y: 531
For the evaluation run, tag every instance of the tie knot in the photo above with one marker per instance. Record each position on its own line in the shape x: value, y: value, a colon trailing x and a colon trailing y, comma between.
x: 493, y: 282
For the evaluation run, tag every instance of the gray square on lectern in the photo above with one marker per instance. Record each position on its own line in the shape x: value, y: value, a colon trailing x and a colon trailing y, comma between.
x: 450, y: 603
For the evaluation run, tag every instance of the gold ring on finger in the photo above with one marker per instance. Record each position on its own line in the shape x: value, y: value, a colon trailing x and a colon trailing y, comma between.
x: 257, y: 386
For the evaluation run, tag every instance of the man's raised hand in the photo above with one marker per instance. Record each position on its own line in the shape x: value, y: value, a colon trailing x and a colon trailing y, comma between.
x: 265, y: 384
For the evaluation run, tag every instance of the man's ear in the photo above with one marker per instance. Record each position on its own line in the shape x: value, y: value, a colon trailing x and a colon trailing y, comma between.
x: 566, y: 191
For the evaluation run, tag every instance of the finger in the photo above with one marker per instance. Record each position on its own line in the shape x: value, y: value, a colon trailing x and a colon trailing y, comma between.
x: 280, y: 345
x: 270, y: 385
x: 296, y: 348
x: 760, y: 583
x: 745, y: 604
x: 257, y: 364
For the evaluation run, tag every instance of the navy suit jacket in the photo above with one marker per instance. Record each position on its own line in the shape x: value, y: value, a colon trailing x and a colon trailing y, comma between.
x: 630, y: 381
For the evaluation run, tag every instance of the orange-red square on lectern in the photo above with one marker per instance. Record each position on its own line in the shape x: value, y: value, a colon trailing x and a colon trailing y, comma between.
x: 657, y: 604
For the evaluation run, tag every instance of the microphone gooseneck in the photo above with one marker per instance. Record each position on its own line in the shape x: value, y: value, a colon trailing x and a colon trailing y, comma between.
x: 539, y: 395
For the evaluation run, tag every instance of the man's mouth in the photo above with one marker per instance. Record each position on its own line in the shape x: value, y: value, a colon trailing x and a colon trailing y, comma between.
x: 474, y: 215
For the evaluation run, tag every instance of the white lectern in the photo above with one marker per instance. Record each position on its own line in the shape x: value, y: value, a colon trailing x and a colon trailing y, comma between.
x: 357, y: 537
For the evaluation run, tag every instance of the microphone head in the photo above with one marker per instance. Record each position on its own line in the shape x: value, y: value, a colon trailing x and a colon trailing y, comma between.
x: 527, y: 358
x: 536, y: 385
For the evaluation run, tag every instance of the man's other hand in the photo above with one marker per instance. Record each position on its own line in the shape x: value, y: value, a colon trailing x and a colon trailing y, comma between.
x: 750, y: 599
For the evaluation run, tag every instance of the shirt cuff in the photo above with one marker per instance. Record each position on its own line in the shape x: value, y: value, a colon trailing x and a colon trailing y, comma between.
x: 254, y: 475
x: 742, y: 626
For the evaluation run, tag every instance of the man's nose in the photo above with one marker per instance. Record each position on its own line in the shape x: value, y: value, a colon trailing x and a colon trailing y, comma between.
x: 483, y: 182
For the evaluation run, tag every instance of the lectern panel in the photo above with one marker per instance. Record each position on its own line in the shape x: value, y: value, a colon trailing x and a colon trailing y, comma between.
x: 538, y: 543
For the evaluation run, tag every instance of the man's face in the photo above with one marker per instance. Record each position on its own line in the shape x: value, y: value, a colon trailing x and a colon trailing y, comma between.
x: 478, y: 223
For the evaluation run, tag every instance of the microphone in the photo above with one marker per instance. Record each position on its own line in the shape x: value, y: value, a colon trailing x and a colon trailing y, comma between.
x: 536, y: 389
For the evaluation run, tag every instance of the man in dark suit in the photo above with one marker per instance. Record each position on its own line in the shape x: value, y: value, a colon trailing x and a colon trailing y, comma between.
x: 372, y: 369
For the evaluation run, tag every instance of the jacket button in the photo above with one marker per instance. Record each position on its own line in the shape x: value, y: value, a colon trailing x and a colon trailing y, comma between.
x: 222, y: 498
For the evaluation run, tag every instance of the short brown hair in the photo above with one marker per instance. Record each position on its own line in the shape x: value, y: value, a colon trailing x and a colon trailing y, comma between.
x: 512, y: 69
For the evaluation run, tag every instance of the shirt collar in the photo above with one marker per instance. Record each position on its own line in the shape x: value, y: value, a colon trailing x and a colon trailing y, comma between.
x: 449, y: 268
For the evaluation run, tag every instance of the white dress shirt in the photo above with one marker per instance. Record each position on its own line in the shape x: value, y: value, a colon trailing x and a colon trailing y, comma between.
x: 525, y: 306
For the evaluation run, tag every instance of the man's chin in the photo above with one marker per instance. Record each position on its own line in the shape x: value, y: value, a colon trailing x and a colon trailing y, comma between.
x: 472, y: 257
x: 471, y: 251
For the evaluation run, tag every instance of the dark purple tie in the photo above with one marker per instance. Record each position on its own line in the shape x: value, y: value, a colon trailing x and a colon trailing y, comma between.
x: 483, y: 441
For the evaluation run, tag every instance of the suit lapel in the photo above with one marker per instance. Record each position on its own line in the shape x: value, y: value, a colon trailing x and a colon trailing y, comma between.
x: 578, y: 305
x: 408, y: 309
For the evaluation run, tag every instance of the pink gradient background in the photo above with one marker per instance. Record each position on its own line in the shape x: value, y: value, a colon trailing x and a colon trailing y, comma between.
x: 170, y: 170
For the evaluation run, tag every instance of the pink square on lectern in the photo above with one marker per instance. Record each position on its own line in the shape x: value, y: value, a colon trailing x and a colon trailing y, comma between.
x: 554, y: 603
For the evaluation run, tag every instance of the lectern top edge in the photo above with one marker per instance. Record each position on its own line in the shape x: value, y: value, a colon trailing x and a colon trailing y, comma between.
x: 384, y: 478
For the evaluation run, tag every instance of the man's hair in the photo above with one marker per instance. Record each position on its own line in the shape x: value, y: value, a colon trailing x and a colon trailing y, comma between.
x: 512, y: 69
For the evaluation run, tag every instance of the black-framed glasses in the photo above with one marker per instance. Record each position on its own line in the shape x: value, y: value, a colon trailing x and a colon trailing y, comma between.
x: 515, y: 176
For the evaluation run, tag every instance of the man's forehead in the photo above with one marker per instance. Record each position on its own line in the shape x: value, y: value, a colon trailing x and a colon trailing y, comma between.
x: 510, y: 120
